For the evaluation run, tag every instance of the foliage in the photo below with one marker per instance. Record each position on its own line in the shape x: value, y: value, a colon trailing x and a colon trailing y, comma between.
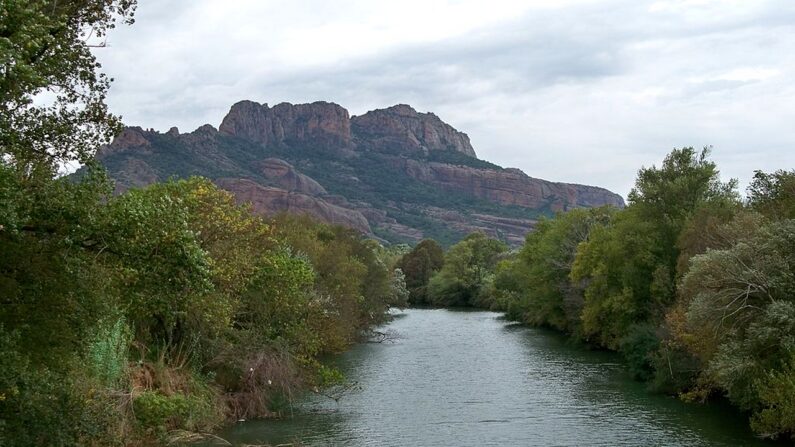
x: 740, y: 315
x: 354, y: 286
x: 398, y: 289
x: 418, y: 265
x: 692, y: 286
x: 639, y: 346
x: 619, y: 265
x: 108, y: 353
x: 773, y: 194
x: 50, y: 406
x: 175, y: 277
x: 468, y: 267
x: 166, y: 277
x: 539, y: 276
x: 157, y: 413
x: 53, y: 283
x: 45, y: 52
x: 777, y: 396
x: 630, y: 265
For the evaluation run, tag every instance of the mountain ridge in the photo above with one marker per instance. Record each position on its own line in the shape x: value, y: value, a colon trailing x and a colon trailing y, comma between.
x: 394, y: 173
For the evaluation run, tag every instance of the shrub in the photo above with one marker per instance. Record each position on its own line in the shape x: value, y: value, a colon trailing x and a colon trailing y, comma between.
x: 107, y: 354
x: 638, y: 348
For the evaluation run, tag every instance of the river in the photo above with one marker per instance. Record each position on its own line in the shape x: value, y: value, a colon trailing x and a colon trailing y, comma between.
x: 470, y: 378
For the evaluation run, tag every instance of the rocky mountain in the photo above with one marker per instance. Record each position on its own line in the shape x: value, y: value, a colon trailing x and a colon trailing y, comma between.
x: 392, y: 173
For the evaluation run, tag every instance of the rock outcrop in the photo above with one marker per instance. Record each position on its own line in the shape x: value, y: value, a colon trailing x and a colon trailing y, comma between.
x: 401, y: 129
x: 284, y: 175
x: 319, y: 125
x: 129, y: 138
x: 507, y: 186
x: 267, y: 201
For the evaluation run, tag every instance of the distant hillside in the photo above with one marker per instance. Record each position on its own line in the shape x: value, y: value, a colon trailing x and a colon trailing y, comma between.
x: 393, y: 173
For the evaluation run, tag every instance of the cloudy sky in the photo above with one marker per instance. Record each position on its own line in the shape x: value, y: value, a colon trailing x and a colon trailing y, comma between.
x: 579, y: 91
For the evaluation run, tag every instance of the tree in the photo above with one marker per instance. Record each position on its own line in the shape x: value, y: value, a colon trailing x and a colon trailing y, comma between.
x: 45, y: 51
x: 53, y: 281
x: 544, y: 293
x: 419, y: 265
x: 468, y: 267
x: 630, y: 265
x: 731, y: 294
x: 354, y: 287
x: 773, y: 194
x: 619, y: 268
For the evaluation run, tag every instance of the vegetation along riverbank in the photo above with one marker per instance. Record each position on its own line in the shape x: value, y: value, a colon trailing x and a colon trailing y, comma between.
x: 170, y: 307
x: 691, y: 283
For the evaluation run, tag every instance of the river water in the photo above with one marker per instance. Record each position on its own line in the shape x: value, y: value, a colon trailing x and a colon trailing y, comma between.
x: 470, y: 378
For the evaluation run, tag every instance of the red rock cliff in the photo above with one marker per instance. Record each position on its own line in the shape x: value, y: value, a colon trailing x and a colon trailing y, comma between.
x: 321, y: 125
x: 401, y: 129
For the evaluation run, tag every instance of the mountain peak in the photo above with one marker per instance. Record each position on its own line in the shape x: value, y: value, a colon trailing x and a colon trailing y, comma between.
x: 401, y: 129
x: 321, y: 125
x: 403, y: 110
x: 327, y: 126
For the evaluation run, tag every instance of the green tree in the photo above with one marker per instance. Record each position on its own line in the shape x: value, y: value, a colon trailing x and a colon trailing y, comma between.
x: 468, y: 267
x: 773, y: 194
x: 354, y: 286
x: 418, y: 265
x: 52, y: 280
x: 544, y: 293
x: 740, y: 315
x: 630, y: 265
x: 45, y: 52
x: 619, y: 266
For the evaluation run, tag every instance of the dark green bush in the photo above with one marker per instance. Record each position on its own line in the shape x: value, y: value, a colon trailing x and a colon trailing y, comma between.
x: 638, y: 348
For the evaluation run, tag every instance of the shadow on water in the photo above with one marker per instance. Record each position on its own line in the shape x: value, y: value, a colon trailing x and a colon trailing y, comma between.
x: 470, y: 378
x: 601, y: 380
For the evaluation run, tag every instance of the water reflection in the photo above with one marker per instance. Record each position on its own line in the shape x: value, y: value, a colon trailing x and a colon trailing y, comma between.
x: 473, y: 379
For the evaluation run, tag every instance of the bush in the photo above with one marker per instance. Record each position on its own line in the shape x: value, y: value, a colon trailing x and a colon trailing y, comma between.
x: 638, y: 348
x: 777, y: 396
x: 39, y: 406
x: 107, y: 354
x: 156, y: 413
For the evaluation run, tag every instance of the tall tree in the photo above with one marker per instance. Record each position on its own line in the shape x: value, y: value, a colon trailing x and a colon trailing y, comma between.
x: 773, y: 194
x: 418, y: 266
x: 52, y: 97
x: 629, y: 266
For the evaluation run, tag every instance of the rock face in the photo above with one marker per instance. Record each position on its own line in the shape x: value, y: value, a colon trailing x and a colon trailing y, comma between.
x: 268, y: 201
x: 285, y: 176
x: 508, y: 186
x: 374, y: 172
x: 321, y: 125
x: 401, y: 129
x: 129, y: 138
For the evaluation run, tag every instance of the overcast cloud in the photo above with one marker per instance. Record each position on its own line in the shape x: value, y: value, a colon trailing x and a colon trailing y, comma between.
x: 566, y: 90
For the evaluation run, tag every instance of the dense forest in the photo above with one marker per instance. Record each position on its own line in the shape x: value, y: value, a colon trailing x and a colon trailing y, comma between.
x: 693, y: 285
